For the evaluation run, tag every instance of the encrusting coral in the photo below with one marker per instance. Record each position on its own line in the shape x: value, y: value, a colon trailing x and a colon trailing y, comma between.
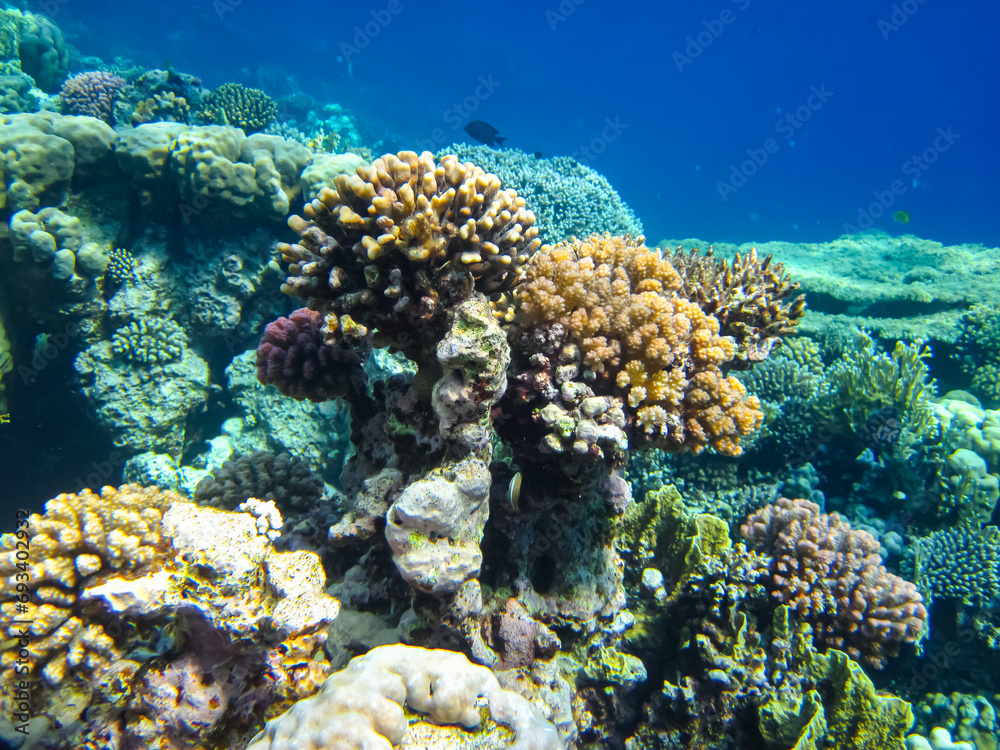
x: 832, y: 577
x: 362, y: 705
x: 391, y: 248
x: 139, y: 615
x: 617, y: 308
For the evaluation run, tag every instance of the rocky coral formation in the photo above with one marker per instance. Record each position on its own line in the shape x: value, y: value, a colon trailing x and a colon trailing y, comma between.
x: 391, y: 248
x: 362, y: 705
x: 94, y: 94
x: 43, y: 51
x: 234, y: 104
x: 610, y: 307
x: 139, y: 598
x: 302, y: 356
x: 978, y: 351
x: 969, y: 718
x: 833, y: 578
x: 283, y: 478
x: 166, y: 107
x: 569, y: 198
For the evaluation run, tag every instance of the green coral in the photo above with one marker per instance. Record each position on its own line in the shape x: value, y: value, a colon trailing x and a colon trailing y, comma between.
x: 153, y: 341
x: 239, y: 106
x: 978, y: 350
x: 865, y: 381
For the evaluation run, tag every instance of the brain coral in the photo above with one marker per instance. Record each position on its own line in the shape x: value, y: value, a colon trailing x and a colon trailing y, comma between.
x: 94, y: 94
x: 570, y: 198
x: 832, y: 577
x: 616, y: 302
x: 390, y: 247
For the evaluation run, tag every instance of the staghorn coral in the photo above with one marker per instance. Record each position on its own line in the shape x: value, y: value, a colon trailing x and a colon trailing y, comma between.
x: 234, y: 104
x: 832, y: 577
x: 749, y: 296
x: 305, y: 357
x: 283, y: 478
x: 389, y: 248
x: 94, y: 94
x: 614, y: 302
x: 961, y: 563
x: 570, y: 199
x: 362, y: 705
x: 150, y: 341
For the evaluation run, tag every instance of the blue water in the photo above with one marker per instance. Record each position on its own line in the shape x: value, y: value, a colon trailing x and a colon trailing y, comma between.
x: 692, y: 87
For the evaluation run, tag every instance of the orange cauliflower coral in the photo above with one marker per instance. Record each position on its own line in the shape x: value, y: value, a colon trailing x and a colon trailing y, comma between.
x: 619, y: 304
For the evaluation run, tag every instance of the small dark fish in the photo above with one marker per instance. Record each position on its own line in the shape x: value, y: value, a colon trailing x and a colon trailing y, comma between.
x: 538, y: 154
x: 484, y: 133
x: 901, y: 216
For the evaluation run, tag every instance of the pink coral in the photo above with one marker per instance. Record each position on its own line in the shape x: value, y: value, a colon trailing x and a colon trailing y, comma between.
x: 833, y: 578
x: 93, y: 93
x: 294, y: 356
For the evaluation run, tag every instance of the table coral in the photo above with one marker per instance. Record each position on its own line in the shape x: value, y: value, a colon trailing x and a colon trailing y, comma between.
x: 832, y: 577
x: 619, y: 308
x: 391, y: 247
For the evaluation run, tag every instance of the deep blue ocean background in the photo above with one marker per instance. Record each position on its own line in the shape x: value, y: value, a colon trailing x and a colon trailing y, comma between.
x: 564, y: 70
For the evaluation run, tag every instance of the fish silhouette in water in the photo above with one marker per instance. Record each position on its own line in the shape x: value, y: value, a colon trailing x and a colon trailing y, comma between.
x: 902, y: 217
x: 484, y: 133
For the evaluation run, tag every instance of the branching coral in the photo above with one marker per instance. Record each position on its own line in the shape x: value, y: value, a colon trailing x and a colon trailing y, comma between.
x: 93, y: 93
x: 961, y: 563
x: 306, y: 358
x: 569, y: 198
x: 617, y: 306
x: 152, y: 341
x: 239, y: 106
x: 749, y: 296
x: 283, y: 478
x: 832, y: 577
x: 389, y: 248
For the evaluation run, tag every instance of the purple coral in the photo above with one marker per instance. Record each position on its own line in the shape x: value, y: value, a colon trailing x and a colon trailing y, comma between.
x: 833, y: 578
x: 93, y: 93
x: 293, y: 356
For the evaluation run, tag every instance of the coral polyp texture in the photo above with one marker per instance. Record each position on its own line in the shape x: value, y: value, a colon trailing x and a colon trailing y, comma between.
x: 750, y: 297
x: 94, y: 94
x: 390, y: 247
x: 305, y: 358
x: 618, y: 307
x: 234, y: 104
x: 149, y: 342
x: 362, y: 705
x: 832, y: 577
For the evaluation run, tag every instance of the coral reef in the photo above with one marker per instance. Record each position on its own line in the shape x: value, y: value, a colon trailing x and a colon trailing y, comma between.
x: 93, y: 94
x: 43, y: 51
x: 120, y: 268
x: 362, y: 706
x: 961, y: 563
x: 569, y: 198
x: 302, y: 356
x: 149, y: 341
x: 162, y: 107
x: 609, y: 307
x: 140, y: 600
x: 392, y: 247
x: 832, y: 577
x: 284, y: 479
x: 969, y: 718
x: 978, y: 350
x: 251, y: 110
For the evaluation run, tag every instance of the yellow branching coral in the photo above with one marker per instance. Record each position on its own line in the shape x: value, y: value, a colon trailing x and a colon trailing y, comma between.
x: 620, y: 303
x: 397, y: 242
